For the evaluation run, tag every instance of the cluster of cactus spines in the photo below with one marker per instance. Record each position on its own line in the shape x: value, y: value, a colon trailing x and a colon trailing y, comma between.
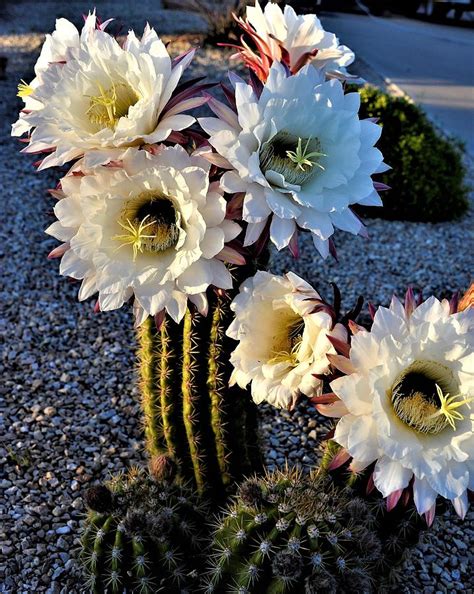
x: 289, y: 533
x: 397, y: 529
x: 144, y: 533
x: 190, y: 413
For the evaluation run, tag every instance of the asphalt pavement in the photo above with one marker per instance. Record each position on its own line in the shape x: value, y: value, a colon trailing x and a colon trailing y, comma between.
x: 433, y: 63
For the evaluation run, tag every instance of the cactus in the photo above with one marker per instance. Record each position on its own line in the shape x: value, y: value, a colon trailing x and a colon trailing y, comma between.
x: 143, y: 534
x: 397, y: 524
x: 190, y: 413
x: 287, y: 533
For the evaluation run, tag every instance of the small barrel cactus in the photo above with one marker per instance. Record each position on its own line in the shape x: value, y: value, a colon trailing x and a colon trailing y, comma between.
x: 143, y: 534
x: 190, y: 412
x: 287, y: 533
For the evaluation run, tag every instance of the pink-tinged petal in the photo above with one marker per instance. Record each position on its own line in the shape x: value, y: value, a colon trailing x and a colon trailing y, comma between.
x: 58, y: 194
x: 410, y: 303
x: 355, y: 328
x: 230, y: 255
x: 293, y: 245
x: 340, y: 346
x: 234, y: 207
x: 336, y: 410
x: 372, y: 310
x: 58, y: 252
x: 339, y: 459
x: 341, y: 363
x: 327, y: 398
x: 159, y: 319
x: 380, y: 187
x: 430, y: 515
x: 222, y: 111
x: 186, y: 105
x: 393, y: 499
x: 217, y: 160
x: 461, y: 505
x: 370, y: 484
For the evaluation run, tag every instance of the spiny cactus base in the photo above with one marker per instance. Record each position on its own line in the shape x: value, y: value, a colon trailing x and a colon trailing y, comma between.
x: 142, y: 536
x: 190, y: 412
x: 287, y: 533
x: 292, y: 534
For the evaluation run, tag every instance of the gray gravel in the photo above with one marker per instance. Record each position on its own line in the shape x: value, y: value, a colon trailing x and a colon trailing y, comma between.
x: 70, y: 411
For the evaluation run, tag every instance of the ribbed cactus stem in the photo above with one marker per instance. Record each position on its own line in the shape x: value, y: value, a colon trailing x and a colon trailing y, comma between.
x: 150, y: 539
x: 190, y: 413
x: 191, y: 400
x: 169, y: 406
x: 216, y: 385
x: 149, y: 356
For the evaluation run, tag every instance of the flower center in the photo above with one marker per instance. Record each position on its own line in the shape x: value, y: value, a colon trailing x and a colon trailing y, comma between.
x: 106, y: 108
x: 421, y: 397
x: 288, y: 351
x: 150, y: 223
x: 296, y: 158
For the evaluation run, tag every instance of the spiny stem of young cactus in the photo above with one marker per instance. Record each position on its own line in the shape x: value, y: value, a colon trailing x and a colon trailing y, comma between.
x: 191, y: 400
x: 190, y: 413
x: 149, y: 369
x: 168, y: 404
x: 216, y: 385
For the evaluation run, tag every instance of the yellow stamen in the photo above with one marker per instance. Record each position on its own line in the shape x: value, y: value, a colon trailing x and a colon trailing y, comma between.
x: 449, y: 404
x: 302, y: 158
x: 290, y: 357
x: 24, y: 89
x: 134, y: 236
x: 106, y: 108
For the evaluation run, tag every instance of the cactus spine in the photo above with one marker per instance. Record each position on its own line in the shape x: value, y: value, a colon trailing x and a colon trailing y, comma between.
x: 190, y: 413
x: 142, y: 536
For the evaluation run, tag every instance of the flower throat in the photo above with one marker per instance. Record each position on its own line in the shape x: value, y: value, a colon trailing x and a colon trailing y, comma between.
x: 421, y: 399
x: 151, y: 224
x: 295, y: 158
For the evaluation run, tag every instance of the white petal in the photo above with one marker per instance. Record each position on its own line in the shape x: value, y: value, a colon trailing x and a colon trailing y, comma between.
x: 390, y: 475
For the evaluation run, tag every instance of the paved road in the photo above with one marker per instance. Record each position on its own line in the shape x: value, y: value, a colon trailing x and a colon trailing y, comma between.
x: 432, y: 63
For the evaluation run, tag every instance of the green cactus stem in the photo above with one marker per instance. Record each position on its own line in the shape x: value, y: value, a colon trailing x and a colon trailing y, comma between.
x: 144, y: 535
x: 190, y: 413
x: 288, y: 533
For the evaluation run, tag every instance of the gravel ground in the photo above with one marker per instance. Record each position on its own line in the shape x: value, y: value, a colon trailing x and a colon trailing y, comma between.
x: 68, y: 402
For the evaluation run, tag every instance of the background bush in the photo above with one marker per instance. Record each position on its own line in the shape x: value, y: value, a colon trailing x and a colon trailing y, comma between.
x: 427, y: 175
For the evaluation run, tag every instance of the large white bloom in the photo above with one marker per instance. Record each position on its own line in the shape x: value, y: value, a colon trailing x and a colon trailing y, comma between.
x: 151, y: 228
x: 55, y: 49
x: 282, y: 336
x: 96, y: 94
x: 298, y: 35
x: 301, y: 154
x: 408, y: 402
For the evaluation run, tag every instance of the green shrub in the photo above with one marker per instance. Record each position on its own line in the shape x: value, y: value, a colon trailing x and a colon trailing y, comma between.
x: 427, y: 175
